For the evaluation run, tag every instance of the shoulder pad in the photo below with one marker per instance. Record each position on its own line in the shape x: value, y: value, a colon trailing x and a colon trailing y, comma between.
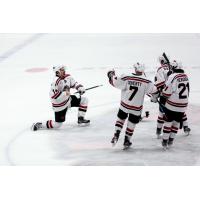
x: 67, y: 75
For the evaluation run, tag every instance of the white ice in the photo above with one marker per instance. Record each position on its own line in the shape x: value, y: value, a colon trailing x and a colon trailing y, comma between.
x: 24, y: 99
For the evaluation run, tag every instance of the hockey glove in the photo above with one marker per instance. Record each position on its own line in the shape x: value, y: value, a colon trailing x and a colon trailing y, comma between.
x: 154, y: 98
x: 163, y: 100
x: 110, y: 74
x: 81, y: 90
x: 169, y: 72
x: 147, y: 114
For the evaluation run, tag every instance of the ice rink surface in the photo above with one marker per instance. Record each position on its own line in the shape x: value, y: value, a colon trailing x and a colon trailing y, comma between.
x: 25, y: 76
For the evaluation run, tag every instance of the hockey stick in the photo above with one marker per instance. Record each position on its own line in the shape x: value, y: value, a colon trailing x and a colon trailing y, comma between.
x: 90, y: 88
x: 93, y: 87
x: 160, y: 104
x: 168, y: 62
x: 162, y: 107
x: 166, y: 58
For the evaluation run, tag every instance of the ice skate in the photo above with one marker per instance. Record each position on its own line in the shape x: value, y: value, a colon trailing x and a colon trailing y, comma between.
x: 158, y: 133
x: 83, y: 122
x: 115, y: 138
x: 186, y: 130
x: 164, y: 144
x: 36, y: 126
x: 170, y: 142
x: 127, y: 143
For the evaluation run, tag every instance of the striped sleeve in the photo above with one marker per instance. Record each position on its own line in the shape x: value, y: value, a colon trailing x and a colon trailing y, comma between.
x: 167, y: 91
x: 159, y: 78
x: 118, y: 82
x: 73, y: 83
x: 56, y: 95
x: 151, y: 88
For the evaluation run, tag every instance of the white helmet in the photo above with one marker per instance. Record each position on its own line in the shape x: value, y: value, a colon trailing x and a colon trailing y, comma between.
x: 176, y: 65
x: 139, y: 67
x: 162, y: 60
x: 57, y: 68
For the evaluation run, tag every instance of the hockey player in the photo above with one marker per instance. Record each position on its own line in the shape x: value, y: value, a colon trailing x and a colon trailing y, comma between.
x: 61, y: 100
x: 176, y: 93
x: 133, y: 88
x: 161, y: 77
x: 184, y: 122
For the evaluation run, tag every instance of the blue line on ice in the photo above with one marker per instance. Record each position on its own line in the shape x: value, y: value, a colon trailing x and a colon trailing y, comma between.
x: 18, y: 47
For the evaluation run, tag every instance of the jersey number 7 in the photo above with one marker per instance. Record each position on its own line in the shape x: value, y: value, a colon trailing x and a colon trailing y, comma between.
x: 135, y: 89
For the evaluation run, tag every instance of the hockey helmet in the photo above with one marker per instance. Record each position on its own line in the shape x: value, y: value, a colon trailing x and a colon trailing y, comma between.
x: 176, y: 65
x: 57, y: 68
x: 139, y: 67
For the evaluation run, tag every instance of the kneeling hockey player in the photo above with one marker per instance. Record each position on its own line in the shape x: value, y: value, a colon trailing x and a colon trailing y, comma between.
x: 61, y: 100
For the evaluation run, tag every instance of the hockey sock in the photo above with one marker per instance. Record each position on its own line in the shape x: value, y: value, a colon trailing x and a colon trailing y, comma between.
x: 174, y: 129
x: 83, y: 107
x: 185, y: 122
x: 160, y: 120
x: 82, y: 111
x: 172, y: 135
x: 167, y: 130
x: 52, y: 124
x: 130, y: 129
x: 119, y: 124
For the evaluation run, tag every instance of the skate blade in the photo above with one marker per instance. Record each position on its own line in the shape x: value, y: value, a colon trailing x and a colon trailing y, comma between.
x: 169, y: 146
x: 83, y: 125
x: 187, y: 133
x: 126, y: 148
x: 164, y: 148
x: 159, y: 136
x: 114, y: 143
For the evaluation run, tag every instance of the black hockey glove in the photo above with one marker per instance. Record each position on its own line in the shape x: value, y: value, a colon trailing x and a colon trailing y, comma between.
x: 163, y: 100
x: 147, y: 114
x: 110, y: 74
x: 169, y: 73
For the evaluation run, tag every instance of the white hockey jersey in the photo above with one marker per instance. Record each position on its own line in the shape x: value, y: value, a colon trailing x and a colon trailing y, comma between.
x: 60, y: 99
x: 133, y: 89
x: 177, y: 92
x: 161, y: 76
